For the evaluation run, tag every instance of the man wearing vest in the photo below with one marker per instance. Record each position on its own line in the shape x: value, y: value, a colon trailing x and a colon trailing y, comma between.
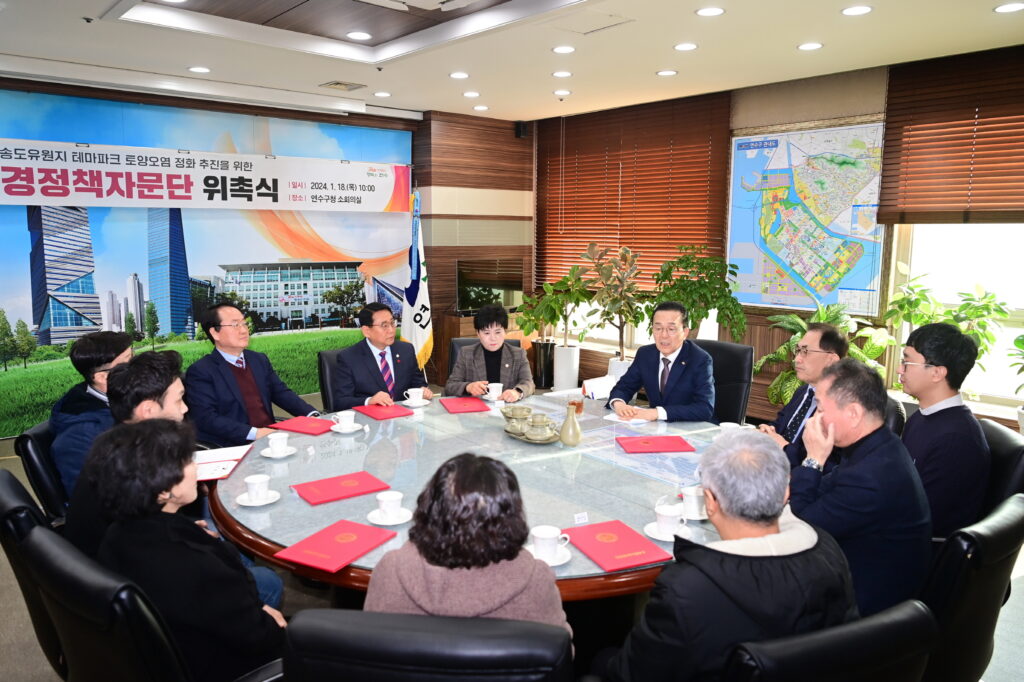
x: 231, y: 391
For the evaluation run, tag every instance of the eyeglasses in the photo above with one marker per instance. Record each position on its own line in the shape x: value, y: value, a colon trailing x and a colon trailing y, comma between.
x: 233, y: 325
x: 666, y: 330
x: 386, y: 325
x: 804, y: 350
x: 905, y: 363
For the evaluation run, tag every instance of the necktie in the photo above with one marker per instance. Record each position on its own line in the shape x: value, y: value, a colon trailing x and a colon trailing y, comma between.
x: 664, y: 376
x: 239, y: 362
x: 793, y: 427
x: 385, y: 371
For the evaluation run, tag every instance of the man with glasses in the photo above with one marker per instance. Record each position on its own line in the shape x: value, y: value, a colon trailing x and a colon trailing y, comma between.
x: 674, y: 372
x: 231, y: 391
x: 943, y: 437
x: 380, y: 370
x: 820, y: 346
x: 83, y: 413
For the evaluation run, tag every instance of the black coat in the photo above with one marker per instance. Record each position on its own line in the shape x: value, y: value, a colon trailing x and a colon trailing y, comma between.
x: 201, y: 589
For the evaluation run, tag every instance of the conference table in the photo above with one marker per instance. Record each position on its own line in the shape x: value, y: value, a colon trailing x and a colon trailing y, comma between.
x: 561, y: 486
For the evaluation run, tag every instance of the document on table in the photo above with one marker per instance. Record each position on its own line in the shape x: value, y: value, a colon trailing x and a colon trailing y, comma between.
x: 632, y: 422
x: 221, y: 454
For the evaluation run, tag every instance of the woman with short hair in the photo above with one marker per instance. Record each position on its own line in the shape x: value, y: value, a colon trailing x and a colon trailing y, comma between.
x: 491, y: 360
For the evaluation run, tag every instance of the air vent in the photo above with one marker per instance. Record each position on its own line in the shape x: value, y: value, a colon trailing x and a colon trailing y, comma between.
x: 342, y: 85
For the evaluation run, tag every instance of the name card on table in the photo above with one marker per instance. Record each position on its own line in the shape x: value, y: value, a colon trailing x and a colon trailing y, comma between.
x: 614, y: 546
x: 336, y: 546
x: 339, y: 487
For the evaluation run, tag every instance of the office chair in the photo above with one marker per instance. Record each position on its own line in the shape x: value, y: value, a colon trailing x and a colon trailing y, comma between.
x: 733, y: 372
x: 33, y: 447
x: 326, y: 361
x: 1006, y: 474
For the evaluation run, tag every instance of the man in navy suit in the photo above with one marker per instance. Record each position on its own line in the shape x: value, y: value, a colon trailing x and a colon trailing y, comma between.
x: 820, y: 346
x: 675, y: 373
x: 231, y: 391
x: 872, y: 501
x: 379, y: 370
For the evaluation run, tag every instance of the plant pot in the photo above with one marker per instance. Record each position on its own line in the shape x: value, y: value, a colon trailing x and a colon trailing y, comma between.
x: 544, y: 363
x: 617, y: 367
x: 567, y: 367
x: 1020, y: 418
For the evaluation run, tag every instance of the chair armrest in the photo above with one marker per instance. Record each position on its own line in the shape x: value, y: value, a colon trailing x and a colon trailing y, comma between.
x: 265, y: 673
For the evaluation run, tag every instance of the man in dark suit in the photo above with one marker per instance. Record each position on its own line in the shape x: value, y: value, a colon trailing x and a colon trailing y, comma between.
x: 820, y: 346
x: 872, y: 501
x: 675, y: 373
x: 231, y: 391
x: 379, y: 370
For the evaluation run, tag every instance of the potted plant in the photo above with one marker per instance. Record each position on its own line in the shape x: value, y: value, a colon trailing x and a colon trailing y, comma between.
x: 1017, y: 353
x: 616, y: 293
x: 702, y: 283
x: 557, y: 305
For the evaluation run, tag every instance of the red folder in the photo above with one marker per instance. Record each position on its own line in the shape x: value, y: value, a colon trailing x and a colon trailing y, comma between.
x: 311, y: 426
x: 336, y: 546
x: 339, y: 487
x: 614, y: 546
x: 460, y: 405
x: 639, y: 444
x: 381, y: 412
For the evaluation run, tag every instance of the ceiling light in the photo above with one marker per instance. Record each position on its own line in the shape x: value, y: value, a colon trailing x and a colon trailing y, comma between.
x: 198, y: 69
x: 174, y: 1
x: 470, y: 93
x: 563, y: 93
x: 856, y: 10
x: 686, y: 47
x: 563, y: 49
x: 382, y: 93
x: 807, y: 47
x: 562, y: 74
x: 710, y: 12
x: 480, y: 107
x: 458, y: 75
x: 358, y: 35
x: 1009, y: 7
x: 667, y: 72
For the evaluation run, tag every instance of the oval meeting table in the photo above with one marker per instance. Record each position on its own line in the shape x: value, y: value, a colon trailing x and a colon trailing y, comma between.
x: 561, y: 486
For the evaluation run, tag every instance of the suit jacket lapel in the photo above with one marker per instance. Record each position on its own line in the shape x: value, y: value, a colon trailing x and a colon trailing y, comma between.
x: 678, y: 367
x: 374, y: 367
x: 227, y: 377
x: 508, y: 380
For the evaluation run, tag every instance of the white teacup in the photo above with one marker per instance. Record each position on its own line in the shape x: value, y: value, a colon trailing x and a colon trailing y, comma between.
x: 693, y: 502
x: 493, y: 391
x: 414, y: 395
x: 257, y: 486
x: 345, y: 420
x: 390, y: 503
x: 278, y: 443
x: 546, y: 541
x: 669, y: 516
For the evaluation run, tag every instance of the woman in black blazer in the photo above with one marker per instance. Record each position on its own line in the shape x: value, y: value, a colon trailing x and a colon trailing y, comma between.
x: 197, y: 582
x: 491, y: 360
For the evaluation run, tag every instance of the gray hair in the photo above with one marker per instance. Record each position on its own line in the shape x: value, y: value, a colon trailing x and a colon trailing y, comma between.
x: 748, y: 474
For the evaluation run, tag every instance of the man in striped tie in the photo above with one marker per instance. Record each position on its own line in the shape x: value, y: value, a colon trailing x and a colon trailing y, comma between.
x: 379, y: 371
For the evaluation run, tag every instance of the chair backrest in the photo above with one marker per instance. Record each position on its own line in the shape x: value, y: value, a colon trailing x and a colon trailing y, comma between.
x: 33, y: 447
x: 461, y: 342
x: 326, y: 361
x: 107, y: 627
x: 1006, y: 475
x: 965, y: 589
x: 891, y: 645
x: 895, y: 415
x: 360, y: 646
x: 19, y: 515
x: 733, y: 371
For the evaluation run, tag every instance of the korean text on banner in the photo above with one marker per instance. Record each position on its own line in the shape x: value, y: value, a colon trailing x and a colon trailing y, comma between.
x: 416, y: 324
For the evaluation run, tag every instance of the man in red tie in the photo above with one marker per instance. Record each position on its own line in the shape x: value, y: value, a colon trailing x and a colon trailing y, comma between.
x: 380, y: 370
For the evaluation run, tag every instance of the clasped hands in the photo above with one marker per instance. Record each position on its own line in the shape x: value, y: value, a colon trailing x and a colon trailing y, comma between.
x: 384, y: 398
x: 626, y: 411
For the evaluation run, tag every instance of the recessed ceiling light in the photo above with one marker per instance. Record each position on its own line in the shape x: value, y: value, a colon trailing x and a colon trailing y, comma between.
x: 667, y: 72
x: 174, y: 1
x: 458, y: 75
x: 480, y: 107
x: 198, y: 69
x: 382, y: 93
x: 856, y: 10
x: 563, y: 93
x: 358, y: 35
x: 562, y: 74
x: 1009, y: 7
x: 686, y: 47
x: 563, y: 49
x: 470, y: 93
x: 710, y: 12
x: 807, y: 47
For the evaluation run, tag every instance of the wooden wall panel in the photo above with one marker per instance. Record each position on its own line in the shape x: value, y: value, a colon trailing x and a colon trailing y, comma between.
x: 454, y: 150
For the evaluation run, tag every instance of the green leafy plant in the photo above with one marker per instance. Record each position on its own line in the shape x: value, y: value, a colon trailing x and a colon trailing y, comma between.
x: 617, y: 294
x: 702, y: 283
x: 873, y: 342
x: 557, y: 305
x: 1017, y: 353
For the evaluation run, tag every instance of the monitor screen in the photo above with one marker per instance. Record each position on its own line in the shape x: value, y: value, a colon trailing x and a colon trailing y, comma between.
x: 480, y: 282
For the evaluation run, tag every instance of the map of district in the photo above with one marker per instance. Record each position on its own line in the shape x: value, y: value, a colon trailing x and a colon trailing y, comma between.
x: 802, y: 227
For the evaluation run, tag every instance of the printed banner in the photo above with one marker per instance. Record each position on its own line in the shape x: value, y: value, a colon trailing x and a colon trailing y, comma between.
x: 65, y: 174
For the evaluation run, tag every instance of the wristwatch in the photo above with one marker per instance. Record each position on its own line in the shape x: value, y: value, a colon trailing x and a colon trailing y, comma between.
x: 811, y: 464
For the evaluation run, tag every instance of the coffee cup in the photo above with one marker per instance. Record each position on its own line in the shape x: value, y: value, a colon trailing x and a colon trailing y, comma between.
x: 414, y: 395
x: 668, y: 516
x: 345, y: 420
x: 493, y: 391
x: 693, y: 502
x: 546, y: 541
x: 389, y: 503
x: 278, y: 443
x: 257, y: 486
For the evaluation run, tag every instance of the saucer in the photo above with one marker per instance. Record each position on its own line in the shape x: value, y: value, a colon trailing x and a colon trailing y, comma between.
x: 338, y: 428
x: 287, y: 451
x: 488, y: 398
x: 416, y: 403
x: 272, y: 496
x: 401, y: 517
x: 562, y: 555
x: 651, y: 530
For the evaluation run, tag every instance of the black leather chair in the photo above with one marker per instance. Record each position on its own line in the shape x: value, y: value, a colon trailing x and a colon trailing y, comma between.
x: 895, y: 416
x: 889, y: 646
x: 33, y: 447
x: 733, y: 373
x: 1006, y: 476
x: 965, y: 589
x: 19, y: 515
x: 358, y: 646
x: 461, y: 342
x: 326, y: 361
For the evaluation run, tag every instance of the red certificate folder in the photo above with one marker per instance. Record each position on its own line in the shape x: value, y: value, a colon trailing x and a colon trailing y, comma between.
x: 311, y: 426
x: 460, y: 405
x: 339, y: 487
x: 614, y: 546
x: 639, y: 444
x: 336, y: 546
x: 380, y: 412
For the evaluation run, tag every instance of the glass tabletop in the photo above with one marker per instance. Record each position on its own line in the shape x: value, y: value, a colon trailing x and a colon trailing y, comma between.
x: 561, y: 486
